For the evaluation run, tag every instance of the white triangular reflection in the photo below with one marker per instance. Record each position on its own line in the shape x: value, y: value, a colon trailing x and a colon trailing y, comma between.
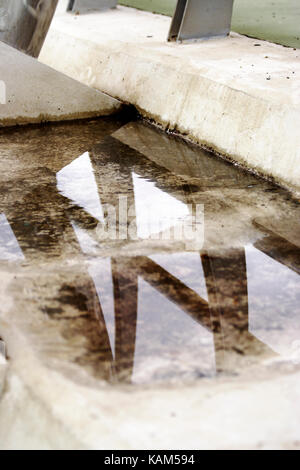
x: 86, y: 242
x: 76, y: 181
x: 273, y: 292
x: 186, y: 267
x: 156, y: 211
x: 169, y: 343
x: 9, y: 246
x: 100, y: 272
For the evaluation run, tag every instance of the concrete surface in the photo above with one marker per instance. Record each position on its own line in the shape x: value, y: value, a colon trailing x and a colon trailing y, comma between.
x: 272, y: 20
x: 31, y: 92
x: 63, y: 386
x: 239, y: 96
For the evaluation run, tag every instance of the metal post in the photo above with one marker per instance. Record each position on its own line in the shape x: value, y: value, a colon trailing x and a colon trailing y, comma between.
x: 81, y: 5
x: 201, y: 19
x: 24, y: 23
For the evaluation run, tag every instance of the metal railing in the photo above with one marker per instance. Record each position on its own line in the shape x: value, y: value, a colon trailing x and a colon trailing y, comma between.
x: 201, y: 19
x: 192, y: 20
x: 24, y: 23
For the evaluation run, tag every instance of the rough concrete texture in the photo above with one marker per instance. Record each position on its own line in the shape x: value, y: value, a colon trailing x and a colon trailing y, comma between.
x: 238, y: 96
x: 31, y: 92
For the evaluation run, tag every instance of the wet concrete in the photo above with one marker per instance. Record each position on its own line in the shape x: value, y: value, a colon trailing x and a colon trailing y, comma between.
x: 143, y: 308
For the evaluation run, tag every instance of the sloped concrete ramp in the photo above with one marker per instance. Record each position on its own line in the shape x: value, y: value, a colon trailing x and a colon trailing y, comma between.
x: 31, y: 92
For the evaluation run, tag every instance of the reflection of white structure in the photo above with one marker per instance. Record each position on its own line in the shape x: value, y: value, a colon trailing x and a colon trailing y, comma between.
x: 156, y: 211
x: 169, y: 343
x: 76, y: 181
x: 151, y: 323
x: 87, y: 244
x: 161, y: 216
x: 165, y: 334
x: 273, y: 317
x: 157, y: 215
x: 101, y: 273
x: 2, y: 92
x: 186, y: 267
x: 2, y: 353
x: 9, y: 246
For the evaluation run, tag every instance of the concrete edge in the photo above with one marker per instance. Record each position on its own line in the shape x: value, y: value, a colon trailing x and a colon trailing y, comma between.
x: 233, y: 159
x: 29, y: 396
x: 35, y: 93
x: 44, y: 118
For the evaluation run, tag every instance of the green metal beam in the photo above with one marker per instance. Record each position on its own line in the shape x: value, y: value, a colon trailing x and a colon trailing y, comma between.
x: 273, y: 20
x: 164, y: 7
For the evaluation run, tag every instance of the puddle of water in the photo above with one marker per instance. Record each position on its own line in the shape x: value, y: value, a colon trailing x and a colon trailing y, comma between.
x: 89, y: 218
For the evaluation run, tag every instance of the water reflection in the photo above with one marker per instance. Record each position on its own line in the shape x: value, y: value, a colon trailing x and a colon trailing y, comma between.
x: 76, y: 182
x: 154, y: 311
x: 3, y: 356
x: 9, y: 247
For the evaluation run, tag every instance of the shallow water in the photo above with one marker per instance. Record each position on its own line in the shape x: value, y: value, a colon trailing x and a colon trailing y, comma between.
x: 107, y: 270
